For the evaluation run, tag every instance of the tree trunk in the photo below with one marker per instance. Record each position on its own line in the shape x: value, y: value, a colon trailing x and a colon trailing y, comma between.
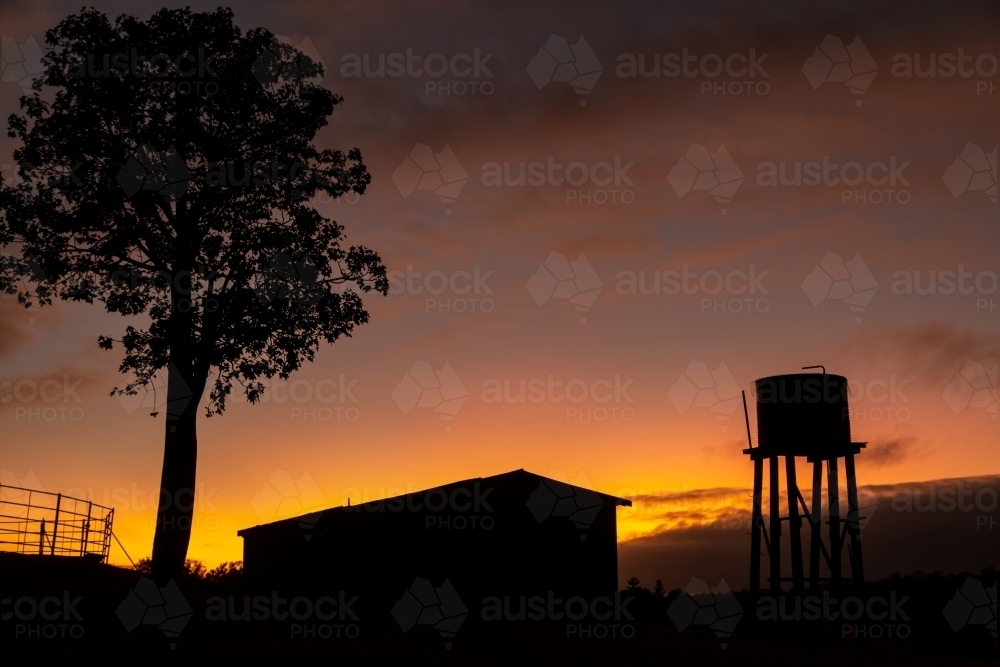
x: 175, y: 511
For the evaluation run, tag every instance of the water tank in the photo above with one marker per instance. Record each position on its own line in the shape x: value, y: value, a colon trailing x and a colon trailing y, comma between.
x: 803, y: 414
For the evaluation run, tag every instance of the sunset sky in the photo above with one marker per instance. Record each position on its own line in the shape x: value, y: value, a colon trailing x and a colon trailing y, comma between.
x: 338, y: 430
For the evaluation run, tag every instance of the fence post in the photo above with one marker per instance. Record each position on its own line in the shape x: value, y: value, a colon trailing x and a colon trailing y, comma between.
x: 55, y: 525
x: 41, y: 539
x: 86, y: 528
x: 108, y: 533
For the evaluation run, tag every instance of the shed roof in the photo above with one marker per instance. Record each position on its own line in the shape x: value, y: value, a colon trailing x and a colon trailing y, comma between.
x: 496, y: 480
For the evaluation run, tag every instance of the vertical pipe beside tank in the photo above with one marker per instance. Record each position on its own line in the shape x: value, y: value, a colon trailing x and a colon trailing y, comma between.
x: 774, y: 551
x: 794, y: 525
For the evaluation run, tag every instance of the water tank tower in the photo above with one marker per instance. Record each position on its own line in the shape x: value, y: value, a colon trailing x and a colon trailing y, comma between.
x: 804, y: 415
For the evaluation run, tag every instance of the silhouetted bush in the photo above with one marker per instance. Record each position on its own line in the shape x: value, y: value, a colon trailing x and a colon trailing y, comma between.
x: 648, y: 606
x: 230, y: 572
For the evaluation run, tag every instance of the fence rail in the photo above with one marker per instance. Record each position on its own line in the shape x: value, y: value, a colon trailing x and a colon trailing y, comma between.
x: 51, y: 524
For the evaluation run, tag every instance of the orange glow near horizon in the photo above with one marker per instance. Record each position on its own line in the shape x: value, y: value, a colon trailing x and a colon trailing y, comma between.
x: 237, y: 494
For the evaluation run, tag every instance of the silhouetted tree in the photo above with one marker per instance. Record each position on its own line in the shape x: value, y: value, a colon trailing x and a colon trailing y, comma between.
x: 166, y: 172
x: 144, y: 565
x: 648, y: 605
x: 194, y: 569
x: 226, y: 573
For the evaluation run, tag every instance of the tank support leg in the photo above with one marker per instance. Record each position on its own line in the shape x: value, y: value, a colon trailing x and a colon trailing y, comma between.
x: 757, y: 523
x: 794, y: 525
x: 774, y: 552
x: 854, y: 525
x: 816, y: 537
x: 833, y: 491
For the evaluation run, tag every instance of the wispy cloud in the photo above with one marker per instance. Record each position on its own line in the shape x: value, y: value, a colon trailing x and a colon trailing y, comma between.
x: 931, y: 351
x: 893, y: 451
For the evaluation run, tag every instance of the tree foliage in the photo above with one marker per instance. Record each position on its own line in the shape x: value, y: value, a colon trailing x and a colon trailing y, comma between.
x: 189, y: 208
